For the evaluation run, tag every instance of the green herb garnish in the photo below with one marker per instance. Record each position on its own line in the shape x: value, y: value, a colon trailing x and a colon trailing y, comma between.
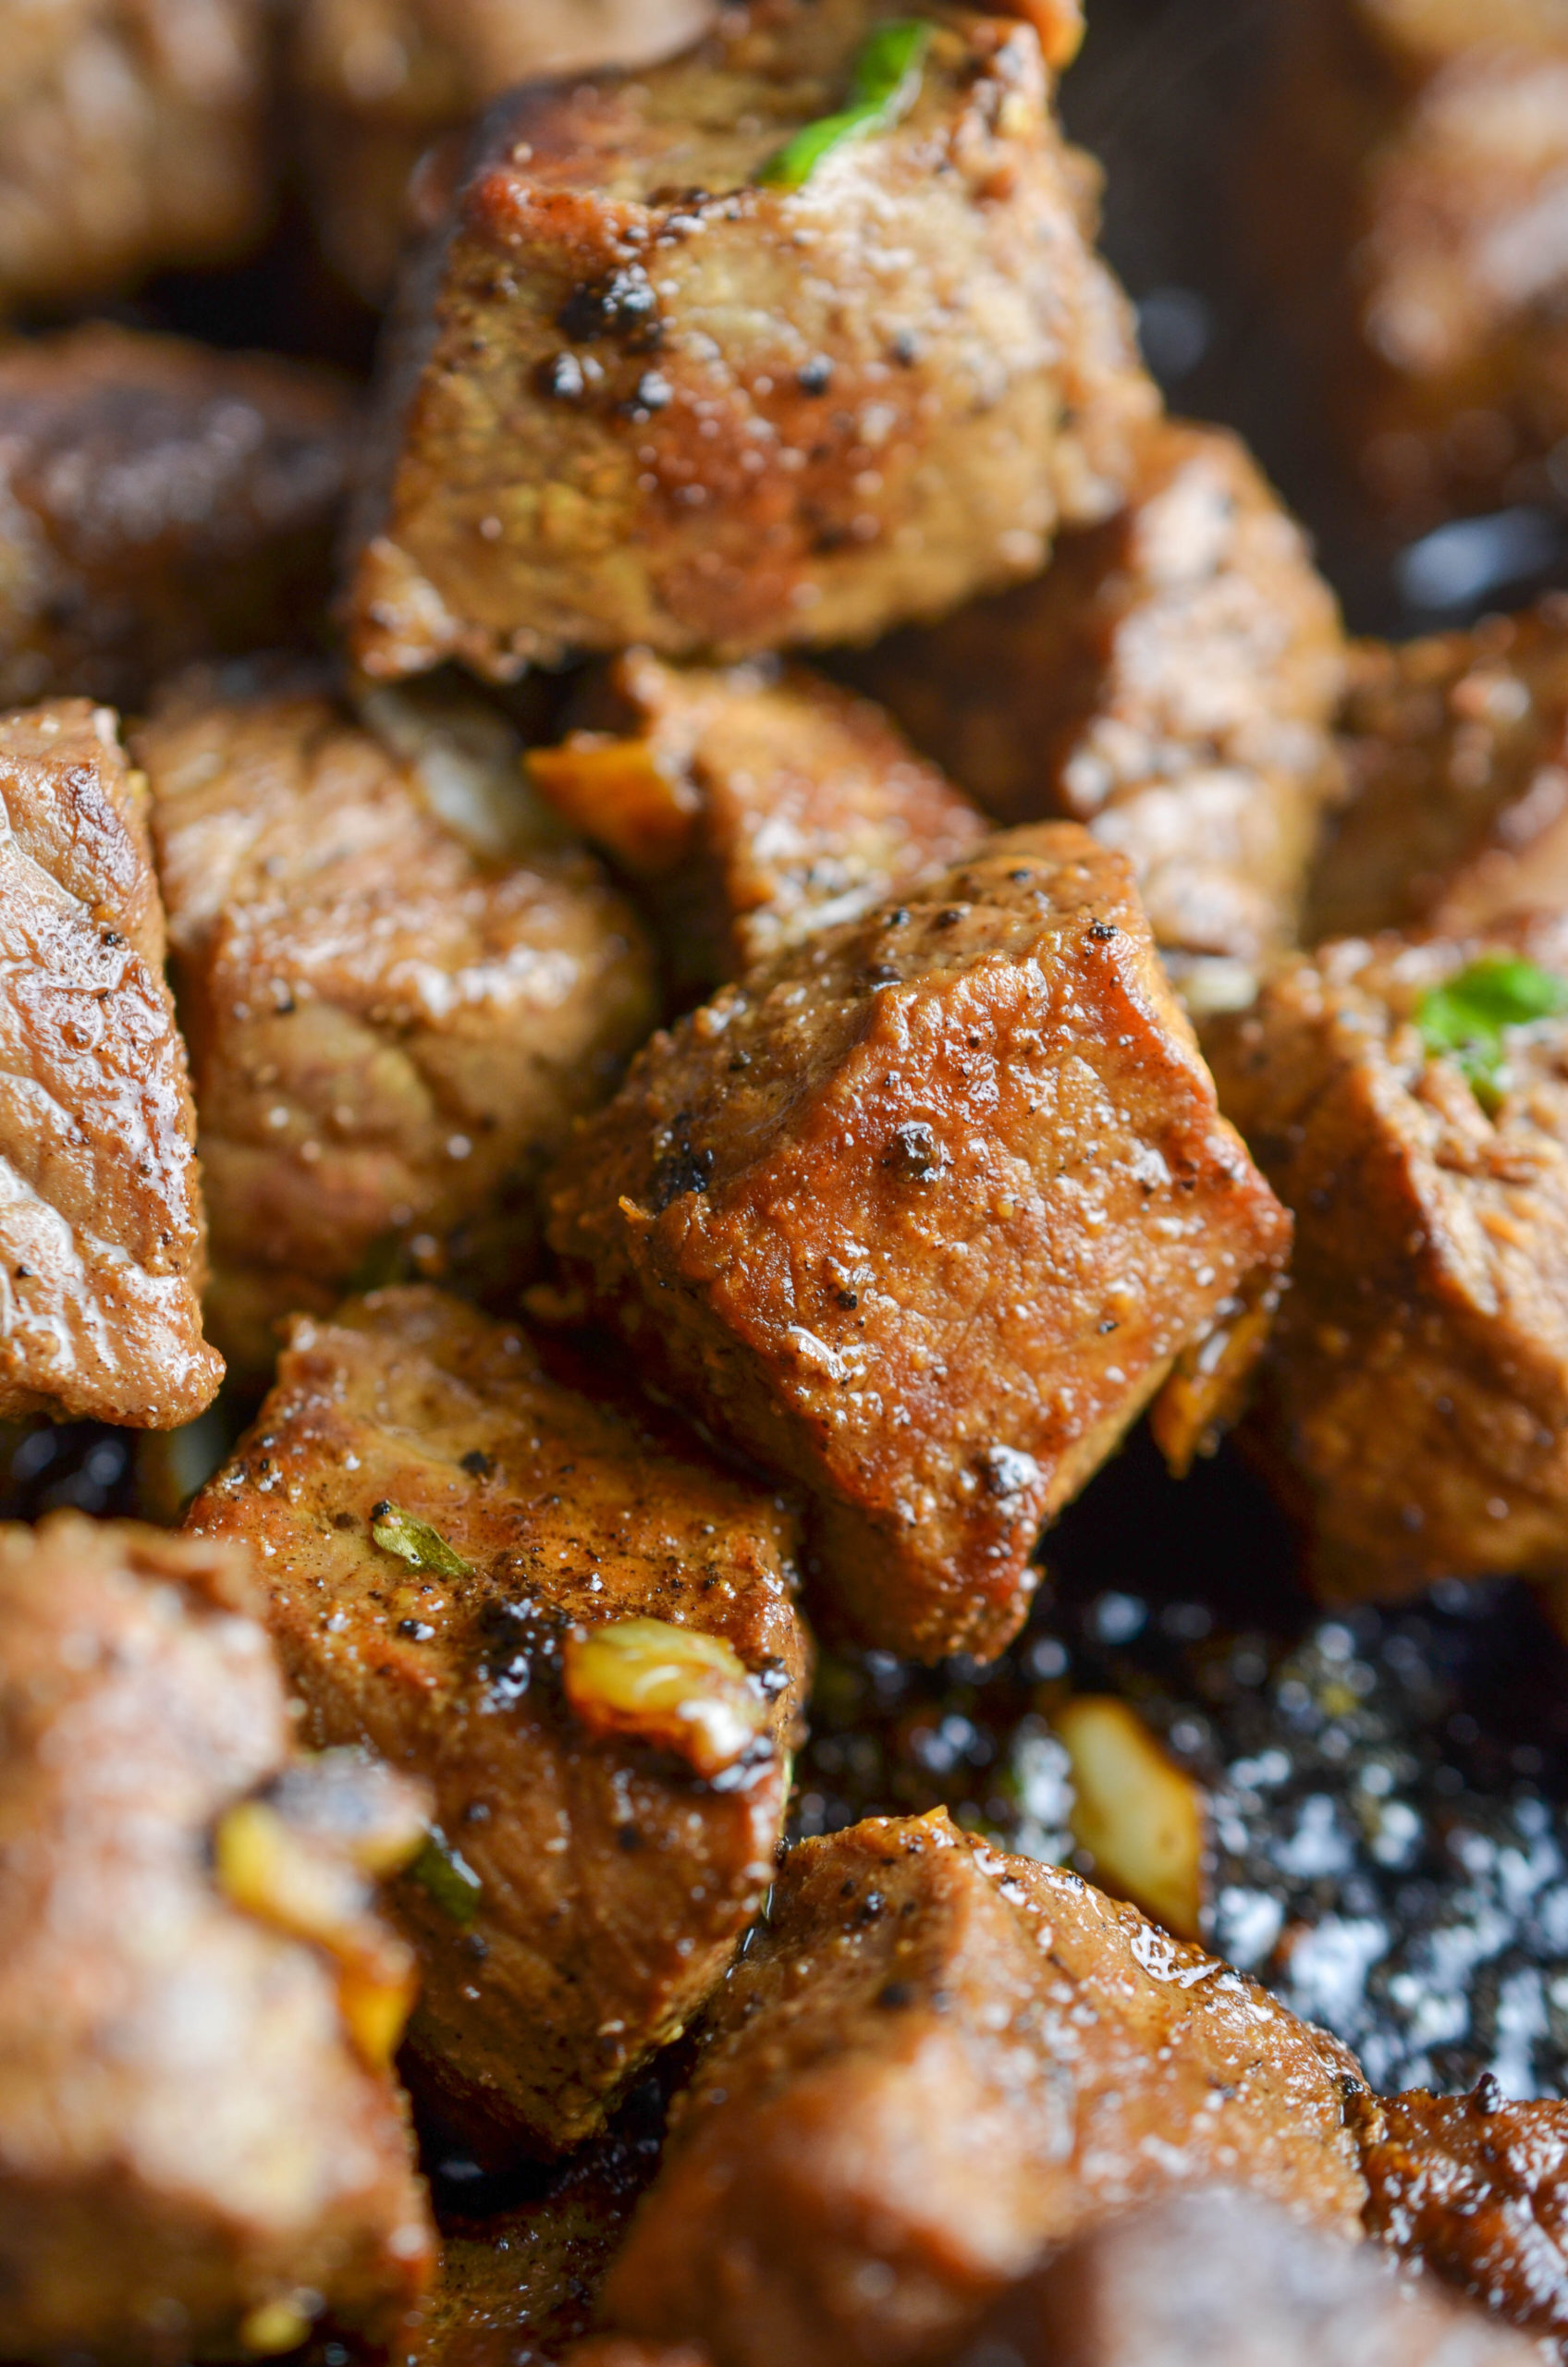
x: 1469, y: 1016
x: 884, y: 85
x: 447, y: 1878
x: 416, y: 1542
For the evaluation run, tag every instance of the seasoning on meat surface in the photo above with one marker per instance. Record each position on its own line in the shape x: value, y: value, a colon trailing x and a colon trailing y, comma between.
x: 130, y: 138
x: 380, y: 79
x: 199, y: 2152
x: 1169, y: 681
x: 102, y: 1235
x: 1407, y: 1100
x: 920, y: 1217
x: 159, y: 502
x: 934, y: 2062
x: 1456, y: 749
x: 758, y: 805
x: 400, y: 980
x: 1474, y: 2189
x: 655, y: 384
x: 588, y: 1888
x: 1219, y: 2279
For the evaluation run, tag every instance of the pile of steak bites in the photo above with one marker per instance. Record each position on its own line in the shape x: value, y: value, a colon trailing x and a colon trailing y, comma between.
x: 783, y: 1201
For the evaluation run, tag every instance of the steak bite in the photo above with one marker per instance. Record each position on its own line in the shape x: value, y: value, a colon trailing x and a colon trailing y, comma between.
x: 934, y: 2063
x: 1406, y: 171
x: 201, y: 2147
x: 159, y: 502
x: 1414, y: 1401
x: 663, y: 378
x: 1476, y: 2190
x: 920, y: 1217
x: 101, y: 1237
x: 1456, y: 749
x: 1219, y: 2279
x: 433, y: 65
x: 399, y: 979
x: 1169, y: 681
x: 444, y: 1530
x: 131, y: 138
x: 757, y: 805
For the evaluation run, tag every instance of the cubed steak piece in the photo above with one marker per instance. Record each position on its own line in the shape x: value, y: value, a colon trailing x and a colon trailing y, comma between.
x: 102, y: 1235
x: 400, y: 981
x: 201, y: 2149
x: 1408, y: 1099
x: 376, y: 81
x: 1169, y: 681
x: 920, y: 1217
x: 1474, y: 2189
x: 583, y: 1634
x: 934, y: 2063
x: 1405, y: 177
x: 131, y: 137
x: 663, y: 377
x: 159, y: 502
x: 757, y: 805
x: 1456, y: 752
x: 1220, y: 2279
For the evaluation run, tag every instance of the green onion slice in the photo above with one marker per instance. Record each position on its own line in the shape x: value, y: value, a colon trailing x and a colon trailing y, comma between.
x: 884, y: 85
x: 449, y: 1879
x: 1467, y: 1017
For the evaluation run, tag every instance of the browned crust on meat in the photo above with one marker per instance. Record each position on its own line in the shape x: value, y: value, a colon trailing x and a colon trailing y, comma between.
x: 920, y: 1216
x: 1414, y: 1403
x: 1169, y: 681
x: 159, y: 502
x: 614, y: 1883
x: 611, y: 421
x: 101, y: 1232
x: 933, y: 2064
x: 185, y: 2134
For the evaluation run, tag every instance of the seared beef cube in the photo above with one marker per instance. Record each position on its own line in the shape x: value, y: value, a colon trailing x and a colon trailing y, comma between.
x: 1476, y: 2190
x: 159, y: 502
x: 589, y: 1647
x: 378, y: 83
x: 201, y: 2147
x: 1416, y: 1398
x: 1169, y: 681
x: 645, y: 393
x: 1457, y: 753
x: 757, y: 805
x: 934, y: 2062
x: 1460, y: 283
x: 920, y: 1217
x: 1404, y: 177
x: 1218, y: 2279
x: 130, y: 138
x: 400, y: 981
x: 102, y: 1247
